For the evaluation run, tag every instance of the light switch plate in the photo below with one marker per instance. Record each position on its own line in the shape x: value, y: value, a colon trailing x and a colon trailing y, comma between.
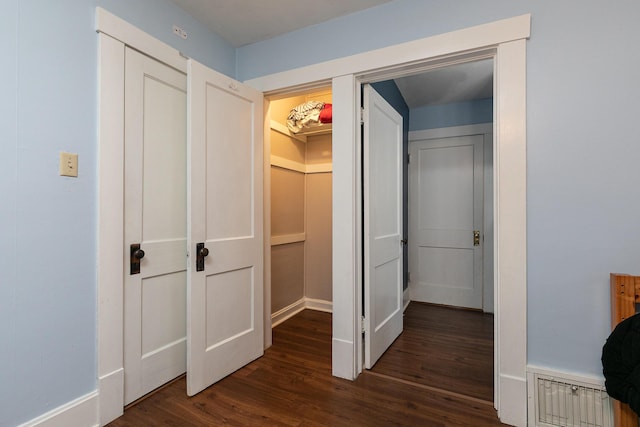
x: 68, y: 164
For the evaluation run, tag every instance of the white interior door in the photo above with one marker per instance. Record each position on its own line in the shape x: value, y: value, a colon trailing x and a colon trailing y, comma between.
x: 155, y: 219
x: 382, y: 167
x: 445, y: 221
x: 225, y: 227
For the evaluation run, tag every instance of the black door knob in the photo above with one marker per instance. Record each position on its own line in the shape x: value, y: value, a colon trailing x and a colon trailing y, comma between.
x: 203, y: 252
x: 138, y: 254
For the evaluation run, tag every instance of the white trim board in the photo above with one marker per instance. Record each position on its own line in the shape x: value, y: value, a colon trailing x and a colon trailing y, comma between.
x: 505, y: 41
x: 82, y: 411
x: 482, y: 128
x: 304, y: 168
x: 110, y: 261
x: 291, y: 310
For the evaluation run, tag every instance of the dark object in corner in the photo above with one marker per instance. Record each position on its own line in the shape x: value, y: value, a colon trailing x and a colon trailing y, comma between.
x: 621, y: 362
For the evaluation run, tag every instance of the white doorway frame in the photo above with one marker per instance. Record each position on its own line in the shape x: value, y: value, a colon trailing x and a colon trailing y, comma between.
x: 505, y: 41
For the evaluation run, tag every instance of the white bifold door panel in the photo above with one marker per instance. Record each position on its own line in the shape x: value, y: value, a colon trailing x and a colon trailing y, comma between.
x: 225, y: 219
x: 445, y: 221
x: 382, y: 167
x: 155, y: 219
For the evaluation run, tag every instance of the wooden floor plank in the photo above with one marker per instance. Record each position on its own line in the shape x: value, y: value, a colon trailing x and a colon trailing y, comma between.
x: 443, y: 347
x: 291, y: 385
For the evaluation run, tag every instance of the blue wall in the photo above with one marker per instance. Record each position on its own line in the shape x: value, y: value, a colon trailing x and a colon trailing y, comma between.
x: 453, y: 114
x: 582, y: 149
x: 48, y: 86
x: 158, y: 17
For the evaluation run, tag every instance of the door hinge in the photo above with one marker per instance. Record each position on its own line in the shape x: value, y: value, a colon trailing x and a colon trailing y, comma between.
x: 362, y: 112
x: 408, y: 158
x: 362, y: 325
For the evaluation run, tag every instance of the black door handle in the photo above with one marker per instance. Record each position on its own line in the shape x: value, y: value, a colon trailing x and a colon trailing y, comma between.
x: 136, y: 255
x: 201, y: 254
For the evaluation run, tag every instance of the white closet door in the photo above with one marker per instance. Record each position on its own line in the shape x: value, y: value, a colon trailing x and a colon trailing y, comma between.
x: 155, y: 219
x: 382, y: 225
x: 225, y: 227
x: 446, y: 201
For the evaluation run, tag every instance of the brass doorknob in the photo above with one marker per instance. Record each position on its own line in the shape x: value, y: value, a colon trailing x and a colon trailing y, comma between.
x: 476, y: 237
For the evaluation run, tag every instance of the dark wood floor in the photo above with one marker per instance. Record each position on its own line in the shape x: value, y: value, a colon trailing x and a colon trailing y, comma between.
x: 446, y: 348
x: 291, y: 385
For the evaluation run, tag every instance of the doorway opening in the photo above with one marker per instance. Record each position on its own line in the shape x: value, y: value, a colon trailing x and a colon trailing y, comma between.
x: 285, y: 179
x: 298, y: 179
x: 448, y: 217
x: 505, y: 41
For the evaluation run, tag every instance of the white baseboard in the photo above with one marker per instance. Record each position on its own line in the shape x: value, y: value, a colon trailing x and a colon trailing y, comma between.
x: 342, y: 359
x: 319, y: 305
x: 287, y: 312
x: 295, y: 308
x: 512, y: 408
x: 81, y: 412
x: 111, y: 397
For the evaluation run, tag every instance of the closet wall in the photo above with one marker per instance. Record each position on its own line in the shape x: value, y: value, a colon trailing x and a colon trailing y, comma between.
x: 300, y: 213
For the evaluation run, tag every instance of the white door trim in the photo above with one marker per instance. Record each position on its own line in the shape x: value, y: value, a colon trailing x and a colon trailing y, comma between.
x: 505, y: 41
x: 453, y: 131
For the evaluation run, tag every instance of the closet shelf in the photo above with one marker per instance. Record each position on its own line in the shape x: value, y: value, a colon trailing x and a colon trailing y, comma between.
x: 316, y: 130
x: 302, y: 135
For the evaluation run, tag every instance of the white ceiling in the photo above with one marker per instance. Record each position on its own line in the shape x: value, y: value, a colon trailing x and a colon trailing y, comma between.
x: 456, y: 83
x: 242, y: 22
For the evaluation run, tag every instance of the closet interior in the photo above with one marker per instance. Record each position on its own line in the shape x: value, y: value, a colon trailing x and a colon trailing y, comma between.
x: 301, y: 204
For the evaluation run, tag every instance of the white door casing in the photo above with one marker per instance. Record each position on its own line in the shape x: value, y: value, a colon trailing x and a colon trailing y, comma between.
x: 445, y: 210
x: 382, y: 167
x: 155, y: 218
x: 225, y: 213
x: 505, y: 41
